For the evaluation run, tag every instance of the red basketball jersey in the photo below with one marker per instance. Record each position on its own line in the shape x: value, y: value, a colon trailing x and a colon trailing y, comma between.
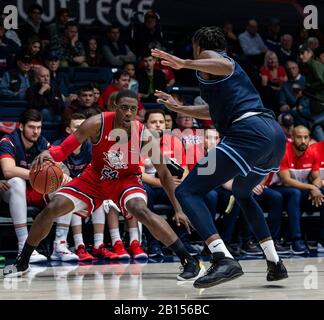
x: 115, y: 155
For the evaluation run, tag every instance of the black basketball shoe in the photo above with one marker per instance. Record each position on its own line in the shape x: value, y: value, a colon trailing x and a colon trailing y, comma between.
x: 223, y: 269
x: 276, y: 271
x: 16, y: 270
x: 191, y: 270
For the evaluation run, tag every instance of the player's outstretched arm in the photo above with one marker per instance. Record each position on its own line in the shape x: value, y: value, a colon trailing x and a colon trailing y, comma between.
x: 89, y: 129
x: 208, y: 61
x: 198, y: 112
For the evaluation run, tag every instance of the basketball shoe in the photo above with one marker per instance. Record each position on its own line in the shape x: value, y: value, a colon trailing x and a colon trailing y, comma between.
x: 223, y: 269
x: 83, y: 254
x: 103, y: 253
x: 276, y: 271
x: 119, y: 249
x: 37, y: 257
x: 62, y: 253
x: 191, y: 269
x: 136, y: 251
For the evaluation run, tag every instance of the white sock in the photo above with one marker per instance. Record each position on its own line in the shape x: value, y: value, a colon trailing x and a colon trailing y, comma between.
x: 78, y: 239
x: 270, y: 251
x: 219, y: 246
x: 22, y: 234
x: 98, y: 239
x: 114, y: 235
x: 133, y: 234
x: 61, y: 233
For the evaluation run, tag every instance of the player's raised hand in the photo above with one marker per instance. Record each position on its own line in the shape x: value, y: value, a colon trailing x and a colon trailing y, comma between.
x: 180, y: 217
x: 38, y: 162
x: 168, y: 59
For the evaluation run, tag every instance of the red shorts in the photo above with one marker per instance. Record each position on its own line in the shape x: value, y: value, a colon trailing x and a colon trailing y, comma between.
x: 93, y: 191
x: 34, y: 198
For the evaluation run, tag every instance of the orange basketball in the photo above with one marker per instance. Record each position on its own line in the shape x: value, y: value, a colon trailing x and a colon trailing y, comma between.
x: 48, y: 180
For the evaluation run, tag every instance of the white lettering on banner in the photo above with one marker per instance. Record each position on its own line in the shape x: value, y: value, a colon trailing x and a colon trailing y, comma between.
x: 144, y: 6
x: 11, y: 19
x: 20, y: 6
x: 63, y: 3
x: 101, y: 10
x: 120, y: 10
x: 51, y: 10
x: 311, y: 20
x: 83, y: 11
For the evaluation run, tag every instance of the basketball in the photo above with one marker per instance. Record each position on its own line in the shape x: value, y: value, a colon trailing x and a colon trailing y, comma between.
x: 48, y: 180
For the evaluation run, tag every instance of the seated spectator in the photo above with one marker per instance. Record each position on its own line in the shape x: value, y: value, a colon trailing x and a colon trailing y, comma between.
x: 252, y: 44
x: 115, y: 51
x: 34, y: 49
x: 6, y: 53
x: 85, y: 103
x: 56, y: 29
x: 58, y: 79
x: 169, y: 121
x: 147, y: 33
x: 150, y: 79
x: 94, y: 57
x: 233, y: 44
x: 70, y: 48
x: 96, y: 91
x: 129, y: 67
x: 272, y: 37
x: 312, y: 43
x: 301, y: 185
x: 172, y: 147
x: 272, y: 78
x: 17, y: 151
x: 285, y: 51
x: 121, y: 81
x: 15, y: 82
x: 286, y: 122
x: 45, y: 98
x: 34, y: 25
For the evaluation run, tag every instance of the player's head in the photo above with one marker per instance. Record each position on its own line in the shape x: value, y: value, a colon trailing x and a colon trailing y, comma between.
x: 154, y: 120
x: 30, y: 124
x: 208, y: 38
x: 126, y: 106
x: 301, y: 138
x: 74, y: 121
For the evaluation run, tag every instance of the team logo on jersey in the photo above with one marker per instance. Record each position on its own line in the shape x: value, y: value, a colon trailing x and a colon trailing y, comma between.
x: 115, y: 159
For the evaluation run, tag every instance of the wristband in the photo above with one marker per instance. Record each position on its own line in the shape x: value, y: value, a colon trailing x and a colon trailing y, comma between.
x: 61, y: 152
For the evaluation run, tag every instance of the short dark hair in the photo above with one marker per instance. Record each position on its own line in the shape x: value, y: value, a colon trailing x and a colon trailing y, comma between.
x: 210, y: 38
x: 118, y: 74
x: 150, y: 111
x: 35, y: 6
x: 61, y: 11
x: 74, y: 116
x: 71, y: 24
x: 85, y: 88
x: 30, y: 115
x: 95, y: 85
x: 125, y: 94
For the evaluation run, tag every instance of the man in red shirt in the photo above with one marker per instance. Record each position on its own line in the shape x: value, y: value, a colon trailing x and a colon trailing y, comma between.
x: 301, y: 184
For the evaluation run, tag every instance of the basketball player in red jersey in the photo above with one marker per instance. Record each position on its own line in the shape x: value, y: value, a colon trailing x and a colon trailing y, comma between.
x: 111, y: 175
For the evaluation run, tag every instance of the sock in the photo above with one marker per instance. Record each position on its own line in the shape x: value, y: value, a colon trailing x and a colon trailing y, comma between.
x: 114, y: 235
x: 270, y: 251
x: 179, y: 249
x: 219, y: 246
x: 61, y: 233
x: 78, y: 239
x: 22, y: 234
x: 98, y: 239
x: 133, y: 234
x: 24, y: 256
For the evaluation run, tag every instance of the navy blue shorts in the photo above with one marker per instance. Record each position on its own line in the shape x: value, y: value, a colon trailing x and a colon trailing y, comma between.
x: 256, y: 144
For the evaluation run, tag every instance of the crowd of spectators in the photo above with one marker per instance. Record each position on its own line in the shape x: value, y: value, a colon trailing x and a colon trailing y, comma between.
x: 286, y: 69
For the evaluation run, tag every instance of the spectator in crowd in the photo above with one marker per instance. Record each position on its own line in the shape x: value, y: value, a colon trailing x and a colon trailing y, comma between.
x: 6, y: 53
x: 312, y: 43
x: 285, y: 51
x: 147, y: 33
x: 85, y: 103
x: 56, y: 29
x: 15, y: 82
x: 319, y: 53
x: 301, y: 185
x: 252, y: 44
x: 272, y: 78
x: 272, y: 37
x: 44, y: 97
x: 314, y: 89
x: 70, y: 48
x: 34, y: 49
x: 169, y: 121
x: 286, y: 122
x: 17, y: 151
x: 233, y: 44
x: 34, y: 25
x: 94, y: 57
x: 129, y: 67
x: 96, y: 91
x: 172, y: 147
x: 115, y: 51
x: 150, y: 79
x: 121, y: 80
x: 58, y: 79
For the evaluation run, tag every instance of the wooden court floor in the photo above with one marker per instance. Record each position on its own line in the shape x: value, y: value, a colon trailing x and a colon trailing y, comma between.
x: 157, y: 281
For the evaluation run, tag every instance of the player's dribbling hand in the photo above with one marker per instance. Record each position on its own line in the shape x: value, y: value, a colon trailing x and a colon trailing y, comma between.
x: 180, y: 217
x: 168, y: 59
x: 66, y: 179
x: 39, y: 161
